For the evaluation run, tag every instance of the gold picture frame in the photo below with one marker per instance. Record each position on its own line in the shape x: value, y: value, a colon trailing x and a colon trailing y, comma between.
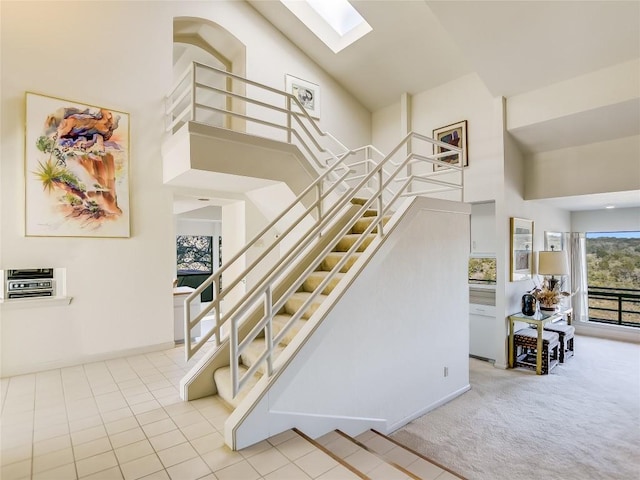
x: 521, y: 249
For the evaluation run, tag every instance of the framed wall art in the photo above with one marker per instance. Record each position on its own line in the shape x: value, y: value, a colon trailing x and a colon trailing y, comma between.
x: 307, y: 93
x: 521, y: 249
x: 456, y: 135
x: 76, y: 169
x: 553, y: 241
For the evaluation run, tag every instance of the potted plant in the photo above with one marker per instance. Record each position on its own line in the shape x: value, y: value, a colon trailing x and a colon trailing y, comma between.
x: 548, y: 297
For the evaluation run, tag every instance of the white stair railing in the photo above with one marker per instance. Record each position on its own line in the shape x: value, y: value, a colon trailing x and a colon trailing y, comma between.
x: 345, y: 175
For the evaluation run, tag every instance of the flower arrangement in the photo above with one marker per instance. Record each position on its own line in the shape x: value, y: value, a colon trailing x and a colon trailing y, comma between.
x: 548, y: 297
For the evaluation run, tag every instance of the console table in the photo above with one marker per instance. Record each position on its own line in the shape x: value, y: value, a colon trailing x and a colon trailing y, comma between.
x: 539, y: 320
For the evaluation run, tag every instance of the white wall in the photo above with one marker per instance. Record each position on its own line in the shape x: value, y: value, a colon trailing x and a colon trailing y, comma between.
x: 255, y: 223
x: 603, y: 167
x: 121, y: 287
x: 463, y: 99
x: 603, y: 88
x: 234, y: 238
x: 544, y: 219
x: 611, y: 220
x: 386, y: 126
x: 112, y: 281
x: 483, y: 228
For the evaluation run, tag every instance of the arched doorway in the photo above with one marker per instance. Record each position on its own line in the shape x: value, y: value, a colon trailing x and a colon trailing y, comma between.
x: 206, y: 42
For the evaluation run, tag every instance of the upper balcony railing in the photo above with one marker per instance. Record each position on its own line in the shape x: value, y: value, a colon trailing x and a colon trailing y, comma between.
x: 616, y: 306
x: 213, y: 96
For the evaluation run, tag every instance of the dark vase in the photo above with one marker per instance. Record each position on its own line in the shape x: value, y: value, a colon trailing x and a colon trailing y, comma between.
x: 528, y: 304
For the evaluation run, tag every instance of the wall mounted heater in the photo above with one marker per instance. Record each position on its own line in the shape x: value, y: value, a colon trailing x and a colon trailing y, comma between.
x: 29, y: 283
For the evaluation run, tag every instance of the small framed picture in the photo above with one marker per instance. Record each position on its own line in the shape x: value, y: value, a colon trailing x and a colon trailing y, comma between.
x: 307, y: 93
x: 553, y: 241
x: 521, y: 249
x: 456, y: 135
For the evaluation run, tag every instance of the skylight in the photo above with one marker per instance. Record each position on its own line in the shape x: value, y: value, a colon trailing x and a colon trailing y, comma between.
x: 335, y: 22
x: 339, y: 14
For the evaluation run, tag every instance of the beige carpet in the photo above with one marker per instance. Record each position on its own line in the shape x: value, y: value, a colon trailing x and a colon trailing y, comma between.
x: 580, y: 422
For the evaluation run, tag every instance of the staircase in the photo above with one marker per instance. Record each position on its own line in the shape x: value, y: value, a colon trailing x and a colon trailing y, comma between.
x: 295, y: 312
x: 357, y: 201
x: 337, y: 455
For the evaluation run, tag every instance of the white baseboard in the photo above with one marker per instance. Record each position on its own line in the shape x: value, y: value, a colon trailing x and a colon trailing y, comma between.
x: 611, y: 332
x: 395, y: 426
x: 79, y: 360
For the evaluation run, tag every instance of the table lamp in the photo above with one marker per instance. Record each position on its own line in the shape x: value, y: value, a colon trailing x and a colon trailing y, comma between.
x: 553, y: 263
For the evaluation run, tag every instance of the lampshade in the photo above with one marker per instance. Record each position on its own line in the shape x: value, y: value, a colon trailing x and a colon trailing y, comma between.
x: 553, y: 263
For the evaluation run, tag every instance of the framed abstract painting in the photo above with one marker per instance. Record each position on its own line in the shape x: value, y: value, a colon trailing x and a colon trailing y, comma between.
x: 76, y: 169
x: 455, y: 135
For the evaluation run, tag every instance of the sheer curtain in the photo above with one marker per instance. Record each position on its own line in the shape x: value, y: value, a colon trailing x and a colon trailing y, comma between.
x: 579, y: 286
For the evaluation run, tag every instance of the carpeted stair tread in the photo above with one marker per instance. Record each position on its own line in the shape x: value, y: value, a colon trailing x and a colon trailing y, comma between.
x: 296, y: 301
x: 370, y: 212
x: 363, y: 223
x: 254, y: 350
x: 345, y: 243
x: 333, y: 258
x: 222, y: 379
x: 314, y: 279
x: 279, y: 321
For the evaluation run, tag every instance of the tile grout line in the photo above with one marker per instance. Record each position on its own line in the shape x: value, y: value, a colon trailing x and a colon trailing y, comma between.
x: 81, y: 379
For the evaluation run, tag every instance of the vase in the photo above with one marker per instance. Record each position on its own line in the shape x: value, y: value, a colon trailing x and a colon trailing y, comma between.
x: 528, y: 304
x: 548, y: 308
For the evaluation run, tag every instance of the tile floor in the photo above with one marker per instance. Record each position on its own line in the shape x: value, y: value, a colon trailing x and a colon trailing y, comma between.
x: 124, y: 419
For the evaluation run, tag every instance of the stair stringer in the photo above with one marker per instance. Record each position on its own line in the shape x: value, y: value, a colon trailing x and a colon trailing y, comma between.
x: 197, y: 383
x: 374, y: 353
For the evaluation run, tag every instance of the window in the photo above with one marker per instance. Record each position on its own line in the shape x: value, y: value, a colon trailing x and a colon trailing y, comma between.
x: 613, y: 275
x: 335, y: 22
x: 194, y: 254
x: 482, y: 270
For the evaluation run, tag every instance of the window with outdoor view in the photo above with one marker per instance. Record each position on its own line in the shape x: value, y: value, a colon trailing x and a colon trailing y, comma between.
x: 194, y: 254
x: 613, y: 273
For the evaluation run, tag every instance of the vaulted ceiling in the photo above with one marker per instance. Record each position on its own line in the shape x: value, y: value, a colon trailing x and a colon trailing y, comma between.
x: 513, y: 46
